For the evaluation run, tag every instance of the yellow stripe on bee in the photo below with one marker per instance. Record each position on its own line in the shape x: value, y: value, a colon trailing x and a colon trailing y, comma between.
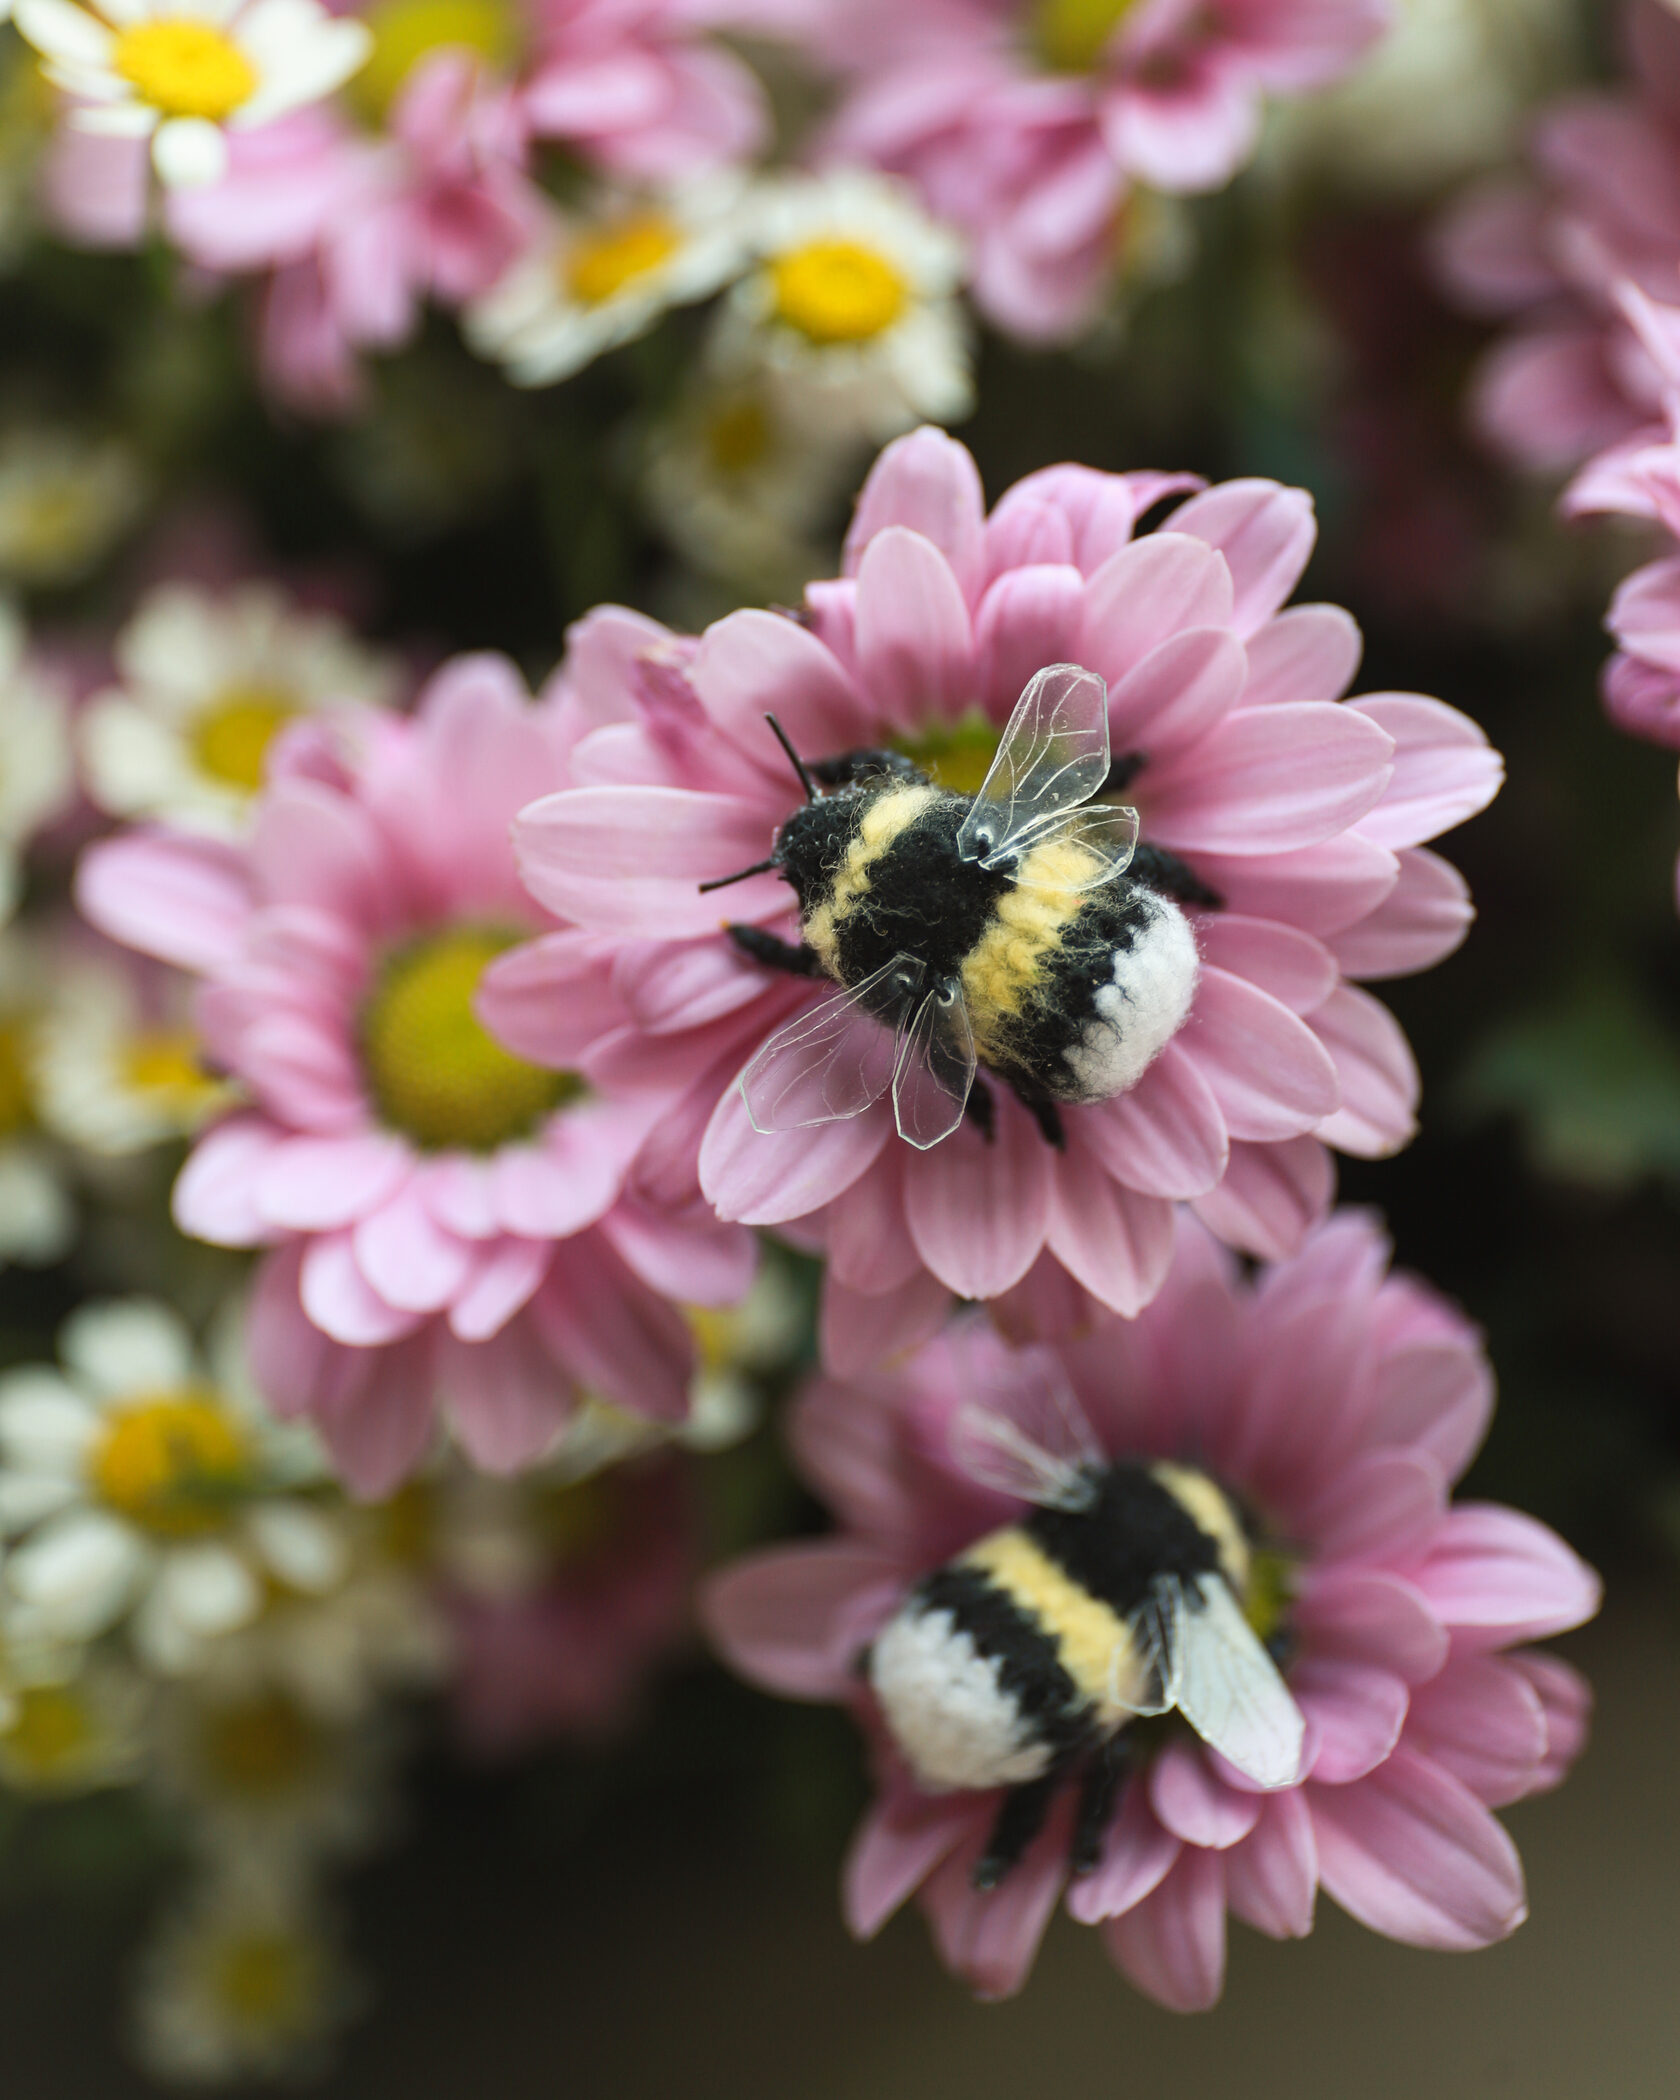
x: 1210, y: 1510
x: 886, y: 817
x: 1093, y: 1644
x: 1003, y: 968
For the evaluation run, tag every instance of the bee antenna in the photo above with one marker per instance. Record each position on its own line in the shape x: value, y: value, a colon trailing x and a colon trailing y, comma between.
x: 722, y: 882
x: 794, y: 759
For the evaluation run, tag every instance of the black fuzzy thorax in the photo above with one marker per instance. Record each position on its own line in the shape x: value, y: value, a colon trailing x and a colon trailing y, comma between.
x: 921, y: 899
x: 812, y: 845
x: 1135, y: 1531
x: 1029, y: 1666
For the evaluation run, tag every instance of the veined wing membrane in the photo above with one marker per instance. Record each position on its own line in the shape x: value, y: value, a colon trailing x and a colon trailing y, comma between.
x: 836, y: 1058
x: 1053, y: 758
x: 935, y: 1070
x: 1224, y: 1683
x: 1027, y: 1436
x: 1107, y: 831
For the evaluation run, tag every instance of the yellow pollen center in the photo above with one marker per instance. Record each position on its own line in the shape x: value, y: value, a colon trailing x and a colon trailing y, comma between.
x: 1070, y: 36
x: 599, y: 265
x: 172, y: 1463
x: 737, y: 437
x: 231, y: 738
x: 406, y: 31
x: 956, y: 755
x: 435, y: 1072
x: 184, y: 68
x: 263, y: 1747
x: 165, y: 1061
x: 264, y: 1980
x: 1269, y: 1591
x: 16, y: 1095
x: 837, y: 291
x: 50, y: 1732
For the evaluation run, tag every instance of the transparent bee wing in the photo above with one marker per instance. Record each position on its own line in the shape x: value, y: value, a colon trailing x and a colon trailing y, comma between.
x: 1223, y: 1682
x: 1139, y: 1669
x: 1053, y: 758
x: 836, y: 1058
x: 1028, y: 1436
x: 936, y: 1061
x: 1107, y: 830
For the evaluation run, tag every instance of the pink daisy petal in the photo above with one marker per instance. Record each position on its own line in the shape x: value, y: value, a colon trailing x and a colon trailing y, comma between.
x: 1028, y: 618
x: 615, y: 1333
x: 857, y: 1331
x: 1189, y: 1800
x: 1444, y: 769
x: 1178, y: 692
x: 914, y: 643
x: 507, y: 1399
x: 214, y: 1194
x: 311, y: 1184
x: 408, y: 1258
x: 186, y: 901
x: 929, y: 483
x: 1566, y: 1703
x: 1270, y: 1197
x: 1410, y: 1852
x: 1163, y: 1137
x: 1172, y: 1943
x: 379, y: 1429
x: 1268, y: 1071
x: 1269, y: 780
x: 1137, y: 1855
x: 455, y: 1188
x: 340, y: 1300
x: 1266, y: 534
x: 1495, y: 1577
x: 1288, y: 966
x: 870, y: 1248
x: 1436, y: 1396
x: 1418, y: 924
x: 899, y: 1843
x: 695, y: 1260
x: 1377, y: 1075
x: 549, y: 1000
x: 1319, y: 888
x: 978, y: 1211
x: 989, y: 1937
x: 1357, y: 1711
x: 1023, y: 532
x: 1115, y: 1242
x: 1271, y: 1878
x: 313, y: 847
x: 556, y: 1186
x: 1384, y: 1505
x: 303, y: 1072
x: 1367, y: 1615
x: 1482, y: 1721
x: 794, y: 1618
x: 1144, y: 594
x: 757, y: 663
x: 762, y: 1180
x: 1310, y: 652
x: 506, y: 1278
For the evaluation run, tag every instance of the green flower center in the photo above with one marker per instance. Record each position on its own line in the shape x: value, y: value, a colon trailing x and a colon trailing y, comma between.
x: 435, y: 1071
x: 957, y: 755
x: 1070, y: 36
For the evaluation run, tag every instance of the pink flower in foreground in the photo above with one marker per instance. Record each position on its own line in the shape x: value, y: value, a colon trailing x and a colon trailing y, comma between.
x: 1548, y: 253
x: 1025, y: 122
x: 560, y: 1619
x: 1303, y: 815
x: 451, y: 1228
x: 1339, y: 1404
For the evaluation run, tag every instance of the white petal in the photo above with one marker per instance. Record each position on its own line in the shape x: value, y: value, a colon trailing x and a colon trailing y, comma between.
x: 119, y: 1346
x: 37, y: 1219
x: 209, y: 1589
x: 300, y: 1544
x: 27, y: 1498
x: 305, y: 70
x: 45, y: 1424
x: 117, y: 120
x: 64, y: 32
x: 189, y: 153
x: 78, y: 1573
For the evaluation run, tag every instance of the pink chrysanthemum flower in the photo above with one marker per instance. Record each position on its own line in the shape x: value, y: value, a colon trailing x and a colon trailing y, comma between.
x: 1303, y: 815
x: 1548, y: 252
x: 1025, y: 122
x: 1339, y: 1404
x: 451, y: 1228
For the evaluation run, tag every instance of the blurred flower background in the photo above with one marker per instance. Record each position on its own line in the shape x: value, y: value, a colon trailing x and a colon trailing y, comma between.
x: 432, y: 434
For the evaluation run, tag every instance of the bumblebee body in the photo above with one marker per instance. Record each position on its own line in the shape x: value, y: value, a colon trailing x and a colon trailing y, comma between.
x: 1071, y: 990
x: 1023, y: 1659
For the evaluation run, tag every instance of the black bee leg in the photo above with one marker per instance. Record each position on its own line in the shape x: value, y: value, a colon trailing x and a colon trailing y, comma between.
x: 1104, y: 1777
x: 1043, y: 1111
x: 1019, y: 1820
x: 981, y: 1109
x: 775, y: 953
x: 1157, y: 869
x: 1123, y: 771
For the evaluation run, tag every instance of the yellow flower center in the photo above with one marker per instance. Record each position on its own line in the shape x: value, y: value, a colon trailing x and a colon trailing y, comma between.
x: 262, y: 1748
x: 50, y: 1732
x: 264, y: 1981
x: 172, y: 1463
x: 597, y: 266
x: 1070, y: 36
x: 231, y: 738
x: 957, y: 755
x: 165, y: 1062
x: 406, y: 31
x: 737, y: 436
x: 1270, y: 1591
x: 435, y: 1072
x: 184, y: 68
x: 17, y: 1100
x: 837, y: 291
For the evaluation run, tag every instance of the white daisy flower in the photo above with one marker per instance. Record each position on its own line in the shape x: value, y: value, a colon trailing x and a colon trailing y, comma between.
x: 71, y: 1731
x: 182, y: 72
x: 139, y: 1484
x: 65, y: 498
x: 116, y: 1064
x: 601, y: 278
x: 37, y: 1217
x: 246, y: 1979
x: 742, y: 490
x: 854, y: 305
x: 35, y: 769
x: 209, y: 679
